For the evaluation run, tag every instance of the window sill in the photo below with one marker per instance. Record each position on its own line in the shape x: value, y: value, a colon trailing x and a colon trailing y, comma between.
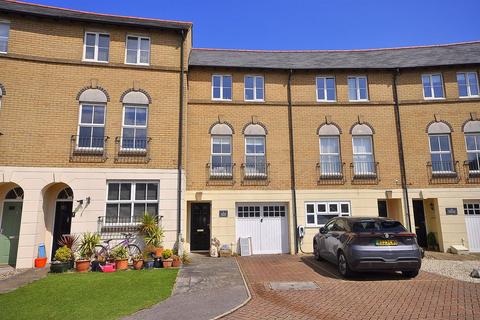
x: 327, y: 101
x: 360, y: 100
x: 468, y: 97
x: 433, y: 99
x: 95, y: 61
x: 138, y: 64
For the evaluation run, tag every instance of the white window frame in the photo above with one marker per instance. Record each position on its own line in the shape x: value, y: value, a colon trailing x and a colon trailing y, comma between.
x: 324, y: 79
x: 469, y: 93
x: 357, y: 88
x: 330, y: 154
x: 429, y: 75
x: 7, y: 37
x: 441, y: 152
x: 132, y: 201
x: 212, y: 154
x: 471, y: 207
x: 256, y: 172
x: 327, y: 212
x: 93, y: 125
x: 138, y: 49
x: 476, y: 151
x: 255, y: 99
x: 134, y: 126
x: 372, y: 153
x: 97, y: 39
x: 222, y: 76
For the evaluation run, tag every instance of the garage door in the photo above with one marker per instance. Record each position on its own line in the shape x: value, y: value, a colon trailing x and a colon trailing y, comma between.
x: 266, y: 224
x: 472, y: 221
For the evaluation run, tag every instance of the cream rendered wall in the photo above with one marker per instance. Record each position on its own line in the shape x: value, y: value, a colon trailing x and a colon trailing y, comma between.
x: 224, y: 228
x: 39, y: 201
x: 363, y: 203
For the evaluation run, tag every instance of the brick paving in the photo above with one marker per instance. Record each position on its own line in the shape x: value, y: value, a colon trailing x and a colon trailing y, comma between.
x: 385, y: 296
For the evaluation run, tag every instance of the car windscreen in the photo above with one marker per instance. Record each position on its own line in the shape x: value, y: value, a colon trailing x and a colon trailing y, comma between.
x: 378, y: 226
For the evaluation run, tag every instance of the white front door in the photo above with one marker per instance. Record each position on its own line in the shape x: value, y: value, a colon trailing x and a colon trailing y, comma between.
x: 266, y: 224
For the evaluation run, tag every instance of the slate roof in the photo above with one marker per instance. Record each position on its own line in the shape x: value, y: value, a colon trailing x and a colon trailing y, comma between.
x: 75, y: 15
x: 406, y: 57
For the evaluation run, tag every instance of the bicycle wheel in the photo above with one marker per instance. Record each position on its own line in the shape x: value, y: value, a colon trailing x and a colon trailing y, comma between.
x: 133, y: 250
x: 101, y: 253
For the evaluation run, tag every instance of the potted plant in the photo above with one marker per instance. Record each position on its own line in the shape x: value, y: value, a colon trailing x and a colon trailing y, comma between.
x: 152, y: 232
x: 120, y: 254
x: 167, y: 260
x: 70, y: 241
x: 62, y: 258
x: 176, y: 262
x: 147, y: 257
x: 138, y: 262
x: 86, y: 250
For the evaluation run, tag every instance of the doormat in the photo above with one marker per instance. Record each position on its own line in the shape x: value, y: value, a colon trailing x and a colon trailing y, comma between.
x: 307, y: 285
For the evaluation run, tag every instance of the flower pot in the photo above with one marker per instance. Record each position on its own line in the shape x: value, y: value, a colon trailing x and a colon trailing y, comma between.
x: 176, y: 263
x: 137, y: 264
x: 40, y: 262
x: 167, y: 263
x: 82, y: 265
x: 121, y: 264
x: 158, y: 263
x: 71, y: 264
x: 149, y: 264
x: 158, y: 251
x: 58, y: 267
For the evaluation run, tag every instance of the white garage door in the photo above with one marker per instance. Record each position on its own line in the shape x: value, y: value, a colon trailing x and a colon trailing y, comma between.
x: 266, y: 224
x: 472, y: 221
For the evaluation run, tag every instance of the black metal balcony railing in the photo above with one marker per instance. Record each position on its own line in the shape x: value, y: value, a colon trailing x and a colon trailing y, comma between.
x: 112, y: 227
x: 132, y: 150
x: 88, y: 149
x: 255, y: 173
x: 472, y: 171
x: 220, y: 171
x: 330, y: 172
x: 364, y: 172
x: 443, y: 172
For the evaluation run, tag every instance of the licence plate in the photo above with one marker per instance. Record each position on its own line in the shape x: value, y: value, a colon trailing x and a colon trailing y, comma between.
x: 386, y: 243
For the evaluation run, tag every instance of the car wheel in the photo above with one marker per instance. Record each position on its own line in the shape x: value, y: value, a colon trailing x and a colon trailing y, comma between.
x: 316, y: 252
x: 343, y: 266
x: 410, y: 274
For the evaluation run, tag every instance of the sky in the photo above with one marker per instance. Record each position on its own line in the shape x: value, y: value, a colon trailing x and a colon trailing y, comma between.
x: 305, y: 25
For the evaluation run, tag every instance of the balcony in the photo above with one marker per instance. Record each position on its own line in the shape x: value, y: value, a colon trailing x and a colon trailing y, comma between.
x: 472, y: 171
x: 255, y: 173
x: 220, y: 173
x: 443, y: 172
x: 330, y: 173
x: 113, y: 227
x: 132, y: 150
x: 88, y: 149
x: 364, y: 172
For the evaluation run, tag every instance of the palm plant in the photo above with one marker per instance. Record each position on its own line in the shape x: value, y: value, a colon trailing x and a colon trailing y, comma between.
x: 87, y: 245
x: 68, y: 240
x: 148, y: 223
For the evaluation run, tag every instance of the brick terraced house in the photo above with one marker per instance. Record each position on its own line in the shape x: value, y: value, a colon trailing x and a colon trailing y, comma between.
x: 105, y: 117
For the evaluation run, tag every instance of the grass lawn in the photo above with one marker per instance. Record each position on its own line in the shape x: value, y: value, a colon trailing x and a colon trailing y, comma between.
x: 92, y: 295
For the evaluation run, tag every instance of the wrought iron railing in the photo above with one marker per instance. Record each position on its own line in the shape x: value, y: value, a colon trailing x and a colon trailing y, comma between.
x: 330, y: 172
x: 88, y: 149
x: 443, y: 172
x: 255, y: 171
x: 220, y: 171
x: 364, y: 172
x: 113, y: 227
x: 132, y: 150
x: 472, y: 171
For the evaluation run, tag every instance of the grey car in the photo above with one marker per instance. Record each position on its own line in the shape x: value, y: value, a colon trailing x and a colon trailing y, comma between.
x: 368, y: 244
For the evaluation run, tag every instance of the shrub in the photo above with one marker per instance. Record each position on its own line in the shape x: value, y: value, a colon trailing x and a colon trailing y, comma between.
x: 154, y: 237
x: 63, y: 254
x: 87, y: 245
x: 120, y: 253
x: 167, y: 253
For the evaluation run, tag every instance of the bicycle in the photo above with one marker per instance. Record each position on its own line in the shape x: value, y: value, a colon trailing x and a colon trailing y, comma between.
x: 103, y: 252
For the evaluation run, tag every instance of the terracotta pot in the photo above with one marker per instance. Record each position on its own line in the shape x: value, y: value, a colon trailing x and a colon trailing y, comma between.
x: 176, y: 263
x: 158, y: 251
x: 137, y: 264
x: 167, y: 263
x: 83, y: 265
x: 121, y: 264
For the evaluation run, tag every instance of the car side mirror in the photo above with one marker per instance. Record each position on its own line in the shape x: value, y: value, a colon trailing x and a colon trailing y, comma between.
x: 323, y: 230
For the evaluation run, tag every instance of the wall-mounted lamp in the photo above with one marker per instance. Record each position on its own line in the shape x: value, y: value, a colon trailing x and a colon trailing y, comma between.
x: 80, y: 205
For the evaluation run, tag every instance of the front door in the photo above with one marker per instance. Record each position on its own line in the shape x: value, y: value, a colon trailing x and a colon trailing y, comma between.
x: 9, y: 232
x: 420, y: 226
x: 63, y: 222
x: 200, y: 226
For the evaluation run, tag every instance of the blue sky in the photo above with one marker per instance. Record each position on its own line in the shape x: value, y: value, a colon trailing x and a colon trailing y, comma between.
x: 309, y: 24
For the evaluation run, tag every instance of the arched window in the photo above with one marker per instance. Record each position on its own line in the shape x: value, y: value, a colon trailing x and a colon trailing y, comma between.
x: 221, y: 152
x: 91, y: 123
x: 135, y: 120
x: 15, y: 194
x: 440, y: 147
x: 363, y: 155
x: 255, y: 151
x: 330, y: 159
x: 471, y: 130
x: 65, y: 194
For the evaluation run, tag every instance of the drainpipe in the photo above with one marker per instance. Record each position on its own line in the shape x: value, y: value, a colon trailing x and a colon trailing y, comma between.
x: 180, y: 142
x: 292, y: 158
x: 400, y: 150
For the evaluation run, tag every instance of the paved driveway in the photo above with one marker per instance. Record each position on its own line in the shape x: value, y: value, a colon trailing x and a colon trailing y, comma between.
x: 386, y: 296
